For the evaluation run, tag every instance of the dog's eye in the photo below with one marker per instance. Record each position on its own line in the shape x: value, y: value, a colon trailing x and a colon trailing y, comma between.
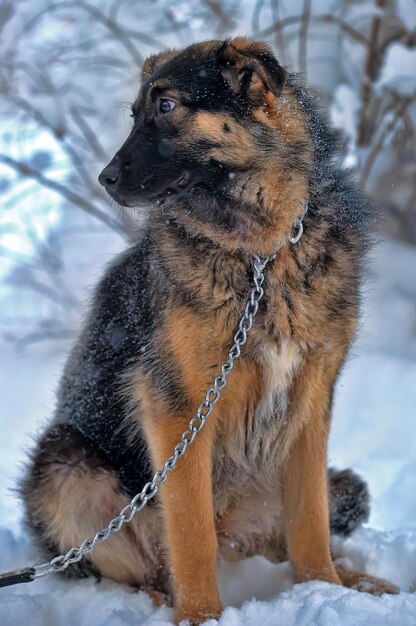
x: 165, y: 105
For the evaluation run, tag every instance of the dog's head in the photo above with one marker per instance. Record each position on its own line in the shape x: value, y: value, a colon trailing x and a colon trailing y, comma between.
x: 220, y: 129
x: 205, y: 116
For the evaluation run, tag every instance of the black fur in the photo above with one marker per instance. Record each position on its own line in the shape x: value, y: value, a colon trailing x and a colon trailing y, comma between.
x: 349, y: 502
x: 119, y: 333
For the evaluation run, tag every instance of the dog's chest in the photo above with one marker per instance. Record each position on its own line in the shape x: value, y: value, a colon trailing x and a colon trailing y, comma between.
x: 279, y: 363
x: 250, y: 452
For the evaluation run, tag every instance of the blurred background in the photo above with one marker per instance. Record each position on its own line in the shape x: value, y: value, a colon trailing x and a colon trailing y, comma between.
x: 68, y: 71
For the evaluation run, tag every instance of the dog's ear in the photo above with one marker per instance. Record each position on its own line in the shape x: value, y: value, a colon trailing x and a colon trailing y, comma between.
x: 251, y: 69
x: 154, y: 61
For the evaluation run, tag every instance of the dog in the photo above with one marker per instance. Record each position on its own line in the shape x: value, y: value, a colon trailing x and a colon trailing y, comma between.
x: 228, y: 153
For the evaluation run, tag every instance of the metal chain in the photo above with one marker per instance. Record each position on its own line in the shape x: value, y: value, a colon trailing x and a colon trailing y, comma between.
x: 126, y: 515
x: 75, y: 554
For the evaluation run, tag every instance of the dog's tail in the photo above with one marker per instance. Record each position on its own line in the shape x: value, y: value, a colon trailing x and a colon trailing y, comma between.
x: 349, y: 501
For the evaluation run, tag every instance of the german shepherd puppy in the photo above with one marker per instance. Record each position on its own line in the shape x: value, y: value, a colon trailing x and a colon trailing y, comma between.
x: 226, y: 152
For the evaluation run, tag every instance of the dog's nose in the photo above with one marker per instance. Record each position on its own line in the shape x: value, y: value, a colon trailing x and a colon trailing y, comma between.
x: 110, y: 174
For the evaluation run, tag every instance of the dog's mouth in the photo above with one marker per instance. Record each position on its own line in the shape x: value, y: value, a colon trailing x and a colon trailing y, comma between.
x: 154, y: 189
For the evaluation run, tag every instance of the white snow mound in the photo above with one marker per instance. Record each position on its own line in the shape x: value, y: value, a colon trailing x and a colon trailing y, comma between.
x: 254, y: 591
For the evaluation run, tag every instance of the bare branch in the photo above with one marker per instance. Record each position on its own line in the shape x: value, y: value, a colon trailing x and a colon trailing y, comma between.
x: 59, y: 133
x: 68, y: 194
x: 399, y: 110
x: 303, y: 37
x: 217, y: 10
x: 88, y: 133
x: 48, y: 292
x: 118, y: 32
x: 372, y: 65
x: 255, y: 17
x: 279, y: 41
x: 37, y: 336
x: 316, y: 19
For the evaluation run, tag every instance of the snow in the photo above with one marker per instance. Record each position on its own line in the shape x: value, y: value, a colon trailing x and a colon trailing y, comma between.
x: 376, y: 396
x: 374, y: 427
x: 23, y: 230
x: 254, y: 592
x: 398, y: 71
x: 407, y: 12
x: 344, y: 111
x: 374, y: 431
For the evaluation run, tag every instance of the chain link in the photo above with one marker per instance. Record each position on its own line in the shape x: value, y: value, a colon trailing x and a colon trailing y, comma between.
x: 126, y: 515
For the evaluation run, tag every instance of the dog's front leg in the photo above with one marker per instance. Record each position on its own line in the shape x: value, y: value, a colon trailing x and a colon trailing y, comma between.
x: 305, y: 484
x: 305, y: 487
x: 189, y: 519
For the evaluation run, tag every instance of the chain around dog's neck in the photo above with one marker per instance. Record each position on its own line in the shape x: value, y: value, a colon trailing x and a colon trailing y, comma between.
x: 297, y: 230
x: 75, y: 554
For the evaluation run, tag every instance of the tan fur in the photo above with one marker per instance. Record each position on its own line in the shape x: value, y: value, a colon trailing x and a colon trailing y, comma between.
x: 365, y: 583
x: 305, y: 493
x: 155, y: 61
x: 78, y: 501
x: 285, y: 114
x: 189, y: 516
x: 255, y: 479
x: 236, y: 146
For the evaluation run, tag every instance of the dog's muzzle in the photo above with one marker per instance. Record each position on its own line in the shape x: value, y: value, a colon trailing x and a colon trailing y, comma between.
x: 129, y: 192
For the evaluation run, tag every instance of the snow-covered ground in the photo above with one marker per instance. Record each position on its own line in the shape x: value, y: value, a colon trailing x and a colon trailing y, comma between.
x: 374, y: 431
x: 255, y: 593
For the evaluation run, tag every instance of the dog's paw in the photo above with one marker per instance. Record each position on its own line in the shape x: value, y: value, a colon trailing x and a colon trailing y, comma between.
x: 365, y: 583
x: 376, y: 586
x: 159, y: 598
